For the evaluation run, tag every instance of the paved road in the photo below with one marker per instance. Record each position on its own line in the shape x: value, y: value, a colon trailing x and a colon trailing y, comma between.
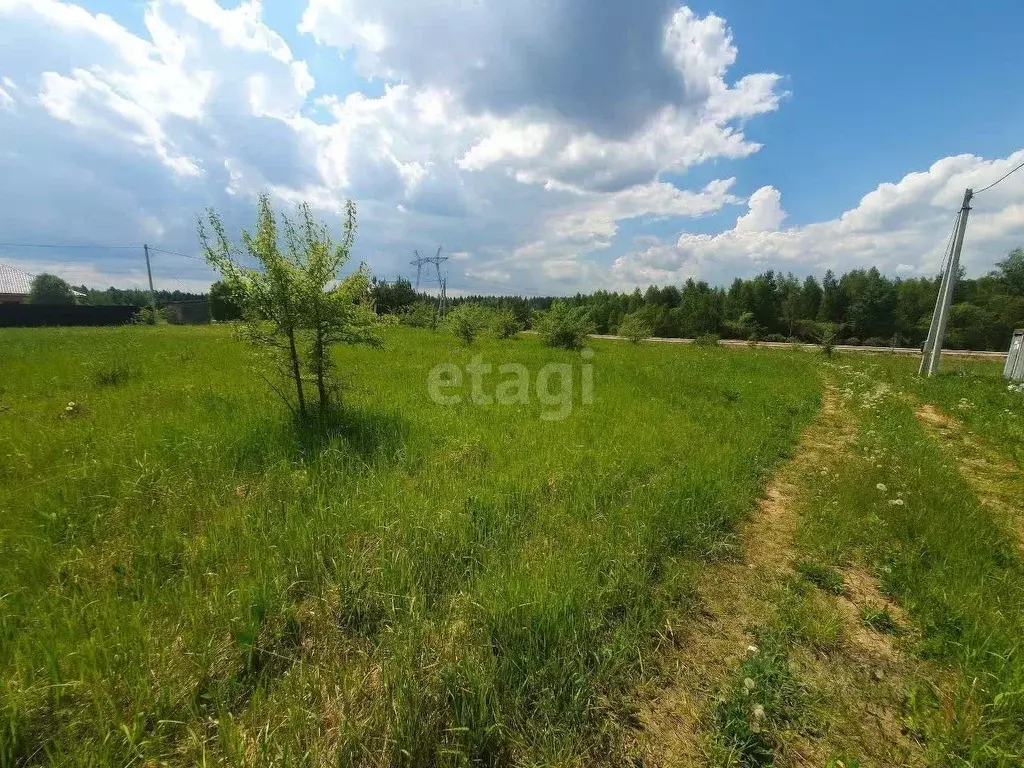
x: 841, y: 347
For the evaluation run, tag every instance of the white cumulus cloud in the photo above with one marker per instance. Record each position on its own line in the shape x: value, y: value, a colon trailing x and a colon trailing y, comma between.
x: 901, y: 227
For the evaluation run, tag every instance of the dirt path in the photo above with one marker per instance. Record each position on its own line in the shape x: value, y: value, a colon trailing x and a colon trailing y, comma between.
x: 864, y: 676
x: 996, y: 480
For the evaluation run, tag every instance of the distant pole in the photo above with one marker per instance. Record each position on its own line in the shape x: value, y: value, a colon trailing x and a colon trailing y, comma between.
x: 941, y: 316
x: 149, y: 272
x: 418, y: 263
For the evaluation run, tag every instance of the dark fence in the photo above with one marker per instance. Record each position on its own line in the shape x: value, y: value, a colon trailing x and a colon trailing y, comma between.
x: 35, y: 315
x: 187, y: 312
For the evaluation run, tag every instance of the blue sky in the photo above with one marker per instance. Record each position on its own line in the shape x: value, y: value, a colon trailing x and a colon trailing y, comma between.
x: 550, y: 145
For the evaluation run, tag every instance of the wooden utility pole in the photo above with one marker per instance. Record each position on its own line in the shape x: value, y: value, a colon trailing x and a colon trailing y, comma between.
x: 149, y: 273
x: 940, y: 317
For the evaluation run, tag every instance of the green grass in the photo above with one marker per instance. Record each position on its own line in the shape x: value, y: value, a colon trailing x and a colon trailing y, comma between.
x: 764, y: 701
x: 822, y: 576
x: 971, y: 391
x: 900, y: 506
x: 189, y: 579
x: 880, y: 620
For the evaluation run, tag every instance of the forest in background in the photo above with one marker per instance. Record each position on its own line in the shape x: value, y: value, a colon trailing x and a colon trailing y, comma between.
x: 859, y: 307
x: 862, y: 306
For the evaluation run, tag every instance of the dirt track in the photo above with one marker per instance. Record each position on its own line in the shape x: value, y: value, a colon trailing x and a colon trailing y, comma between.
x: 841, y: 347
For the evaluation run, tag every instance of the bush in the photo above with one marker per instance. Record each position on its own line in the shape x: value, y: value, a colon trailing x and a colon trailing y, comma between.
x: 635, y: 328
x: 506, y: 324
x: 147, y: 316
x: 707, y: 340
x: 733, y: 330
x: 853, y: 341
x: 467, y: 321
x: 826, y: 337
x: 564, y: 326
x: 778, y: 338
x: 422, y: 314
x: 877, y: 341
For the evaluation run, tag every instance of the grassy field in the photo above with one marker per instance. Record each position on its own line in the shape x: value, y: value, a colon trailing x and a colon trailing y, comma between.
x: 189, y: 579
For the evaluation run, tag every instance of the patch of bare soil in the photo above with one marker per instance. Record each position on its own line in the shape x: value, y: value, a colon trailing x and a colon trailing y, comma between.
x: 997, y: 481
x: 860, y: 683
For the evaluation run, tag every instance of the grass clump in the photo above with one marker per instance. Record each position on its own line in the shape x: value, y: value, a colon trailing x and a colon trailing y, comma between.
x: 822, y: 576
x: 807, y: 616
x: 112, y: 374
x: 763, y: 702
x: 881, y: 620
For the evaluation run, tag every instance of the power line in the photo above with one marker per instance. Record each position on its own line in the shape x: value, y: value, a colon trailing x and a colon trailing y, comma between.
x: 52, y: 245
x: 999, y: 180
x: 175, y: 253
x: 506, y: 288
x: 949, y: 243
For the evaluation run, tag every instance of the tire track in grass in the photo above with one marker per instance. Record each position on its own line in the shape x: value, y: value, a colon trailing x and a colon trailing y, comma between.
x: 746, y: 629
x: 997, y: 482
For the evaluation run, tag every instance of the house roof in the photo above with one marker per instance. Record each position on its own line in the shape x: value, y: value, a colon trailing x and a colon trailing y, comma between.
x: 14, y: 280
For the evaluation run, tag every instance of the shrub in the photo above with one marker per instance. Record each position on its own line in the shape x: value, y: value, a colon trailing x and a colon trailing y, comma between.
x: 876, y: 341
x: 853, y: 341
x: 564, y: 326
x: 826, y: 337
x: 707, y: 340
x: 778, y: 338
x: 467, y: 321
x: 635, y: 328
x: 506, y: 324
x: 422, y: 314
x: 147, y: 316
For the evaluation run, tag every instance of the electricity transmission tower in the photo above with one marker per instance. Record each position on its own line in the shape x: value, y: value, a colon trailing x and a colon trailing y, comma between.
x: 940, y: 317
x: 437, y: 259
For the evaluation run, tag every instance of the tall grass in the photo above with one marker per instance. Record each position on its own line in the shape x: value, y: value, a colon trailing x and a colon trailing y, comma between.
x: 188, y: 578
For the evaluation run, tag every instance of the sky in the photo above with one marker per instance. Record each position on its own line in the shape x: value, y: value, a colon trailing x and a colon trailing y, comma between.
x: 548, y: 146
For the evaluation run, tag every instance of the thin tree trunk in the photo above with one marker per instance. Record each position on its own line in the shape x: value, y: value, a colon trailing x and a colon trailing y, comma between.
x: 321, y: 383
x: 297, y: 373
x: 318, y: 353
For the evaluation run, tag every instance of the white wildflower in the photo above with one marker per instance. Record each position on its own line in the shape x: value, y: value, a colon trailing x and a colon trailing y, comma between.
x: 758, y: 712
x: 882, y: 487
x: 896, y: 502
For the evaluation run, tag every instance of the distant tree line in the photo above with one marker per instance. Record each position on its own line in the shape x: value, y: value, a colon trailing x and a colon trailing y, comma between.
x: 862, y: 306
x: 137, y: 297
x: 859, y: 307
